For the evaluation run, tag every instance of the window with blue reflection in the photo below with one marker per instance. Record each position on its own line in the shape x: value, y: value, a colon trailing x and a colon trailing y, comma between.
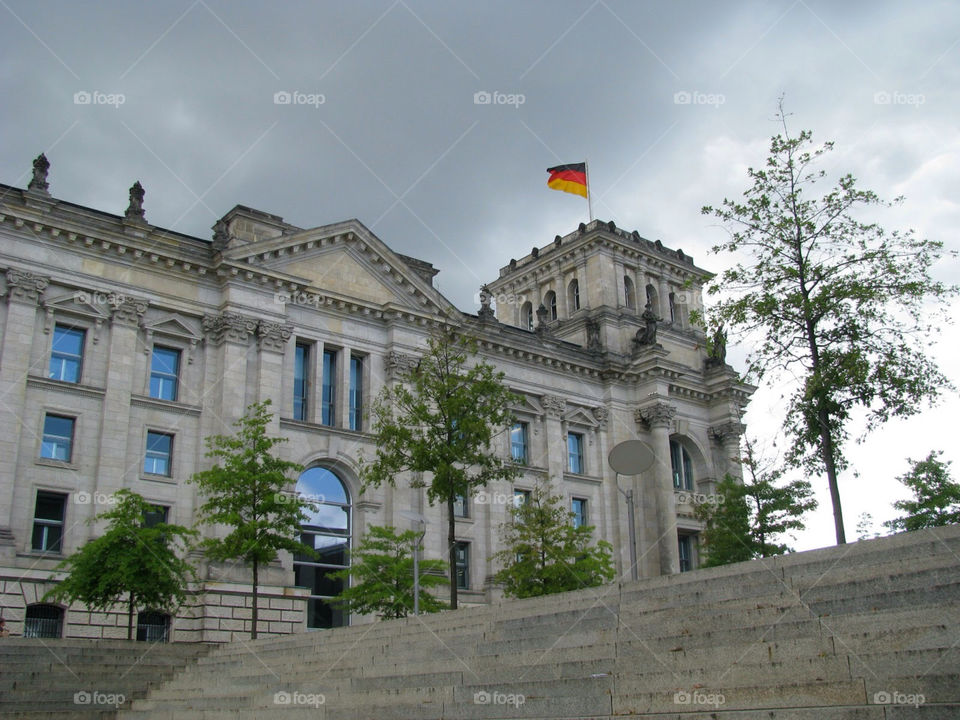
x: 66, y: 356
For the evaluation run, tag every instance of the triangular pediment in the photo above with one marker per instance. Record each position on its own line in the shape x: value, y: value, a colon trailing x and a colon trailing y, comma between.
x: 528, y: 405
x: 172, y: 326
x: 347, y: 261
x: 580, y: 416
x: 92, y: 304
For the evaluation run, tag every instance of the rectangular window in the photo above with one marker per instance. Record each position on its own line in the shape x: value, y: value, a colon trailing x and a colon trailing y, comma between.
x: 328, y: 394
x: 460, y: 506
x: 578, y: 507
x: 356, y: 393
x: 301, y: 382
x: 156, y: 515
x: 48, y: 521
x: 685, y: 545
x: 518, y: 442
x: 164, y: 373
x: 520, y: 497
x: 57, y: 438
x: 462, y: 555
x: 575, y: 453
x: 66, y: 358
x: 157, y: 460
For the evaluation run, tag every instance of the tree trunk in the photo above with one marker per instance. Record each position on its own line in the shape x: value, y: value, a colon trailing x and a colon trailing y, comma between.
x: 452, y: 545
x: 826, y: 452
x: 130, y: 618
x: 253, y: 624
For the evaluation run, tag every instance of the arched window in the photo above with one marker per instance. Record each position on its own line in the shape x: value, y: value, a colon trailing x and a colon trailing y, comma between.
x: 526, y: 316
x: 550, y: 300
x: 652, y: 299
x: 153, y: 626
x: 573, y: 295
x: 43, y: 621
x: 682, y: 466
x: 629, y: 295
x: 326, y: 530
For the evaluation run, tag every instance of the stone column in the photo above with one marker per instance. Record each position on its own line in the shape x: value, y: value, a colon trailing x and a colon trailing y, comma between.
x: 728, y: 436
x: 556, y: 438
x: 23, y: 295
x: 664, y: 292
x: 272, y: 340
x: 229, y: 333
x: 659, y: 416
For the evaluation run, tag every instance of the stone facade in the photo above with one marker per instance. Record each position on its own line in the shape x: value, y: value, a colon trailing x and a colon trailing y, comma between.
x: 256, y: 314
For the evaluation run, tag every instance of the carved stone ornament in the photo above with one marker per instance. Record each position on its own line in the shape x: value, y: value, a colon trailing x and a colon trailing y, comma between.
x: 39, y: 181
x: 659, y: 414
x: 554, y: 405
x: 398, y: 364
x: 221, y: 236
x: 728, y: 432
x: 593, y: 336
x: 273, y: 335
x: 128, y: 310
x: 25, y: 287
x: 229, y: 327
x: 600, y: 414
x: 135, y: 208
x: 485, y: 312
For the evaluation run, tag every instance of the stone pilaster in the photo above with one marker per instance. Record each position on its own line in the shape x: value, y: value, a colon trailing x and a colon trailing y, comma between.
x: 659, y: 416
x: 272, y: 340
x: 555, y: 435
x: 728, y: 436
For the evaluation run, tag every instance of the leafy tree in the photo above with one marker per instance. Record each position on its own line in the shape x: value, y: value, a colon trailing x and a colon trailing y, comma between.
x: 382, y: 570
x: 132, y: 562
x: 753, y: 513
x: 833, y: 300
x: 546, y: 554
x: 441, y: 420
x: 936, y: 495
x: 245, y: 491
x: 865, y: 527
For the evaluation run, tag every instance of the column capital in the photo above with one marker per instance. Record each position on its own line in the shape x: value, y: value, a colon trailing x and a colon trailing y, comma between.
x: 25, y: 287
x: 727, y: 432
x: 129, y: 310
x: 554, y: 405
x: 657, y: 415
x: 273, y: 335
x: 229, y: 327
x: 398, y: 364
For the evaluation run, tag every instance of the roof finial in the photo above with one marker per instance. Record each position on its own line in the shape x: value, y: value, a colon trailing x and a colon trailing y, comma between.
x: 40, y: 167
x: 135, y: 208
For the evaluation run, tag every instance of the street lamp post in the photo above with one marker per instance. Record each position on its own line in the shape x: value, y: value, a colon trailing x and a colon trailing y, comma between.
x: 421, y: 522
x: 630, y: 457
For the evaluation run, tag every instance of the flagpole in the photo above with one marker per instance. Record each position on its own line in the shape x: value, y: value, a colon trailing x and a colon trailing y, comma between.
x: 586, y: 168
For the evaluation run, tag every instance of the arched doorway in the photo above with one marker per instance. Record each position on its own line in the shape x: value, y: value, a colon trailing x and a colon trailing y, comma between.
x: 327, y: 530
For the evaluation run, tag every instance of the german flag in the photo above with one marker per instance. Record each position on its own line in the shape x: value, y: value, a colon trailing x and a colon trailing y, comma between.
x: 569, y: 178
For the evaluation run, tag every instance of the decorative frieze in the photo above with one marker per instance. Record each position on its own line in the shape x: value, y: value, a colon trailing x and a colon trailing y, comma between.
x: 229, y: 327
x: 273, y: 335
x: 555, y: 405
x: 398, y: 364
x: 25, y: 287
x: 659, y: 414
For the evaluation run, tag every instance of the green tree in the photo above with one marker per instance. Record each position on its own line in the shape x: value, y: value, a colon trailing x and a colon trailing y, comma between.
x: 246, y: 491
x: 936, y: 495
x: 749, y: 517
x: 834, y: 301
x: 133, y: 562
x: 381, y: 567
x: 441, y: 420
x: 546, y: 554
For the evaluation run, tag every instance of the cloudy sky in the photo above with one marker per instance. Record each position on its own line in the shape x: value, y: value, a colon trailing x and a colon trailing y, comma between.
x: 669, y: 101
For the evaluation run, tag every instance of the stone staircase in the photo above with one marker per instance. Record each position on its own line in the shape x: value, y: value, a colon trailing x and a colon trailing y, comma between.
x: 45, y: 679
x: 866, y: 631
